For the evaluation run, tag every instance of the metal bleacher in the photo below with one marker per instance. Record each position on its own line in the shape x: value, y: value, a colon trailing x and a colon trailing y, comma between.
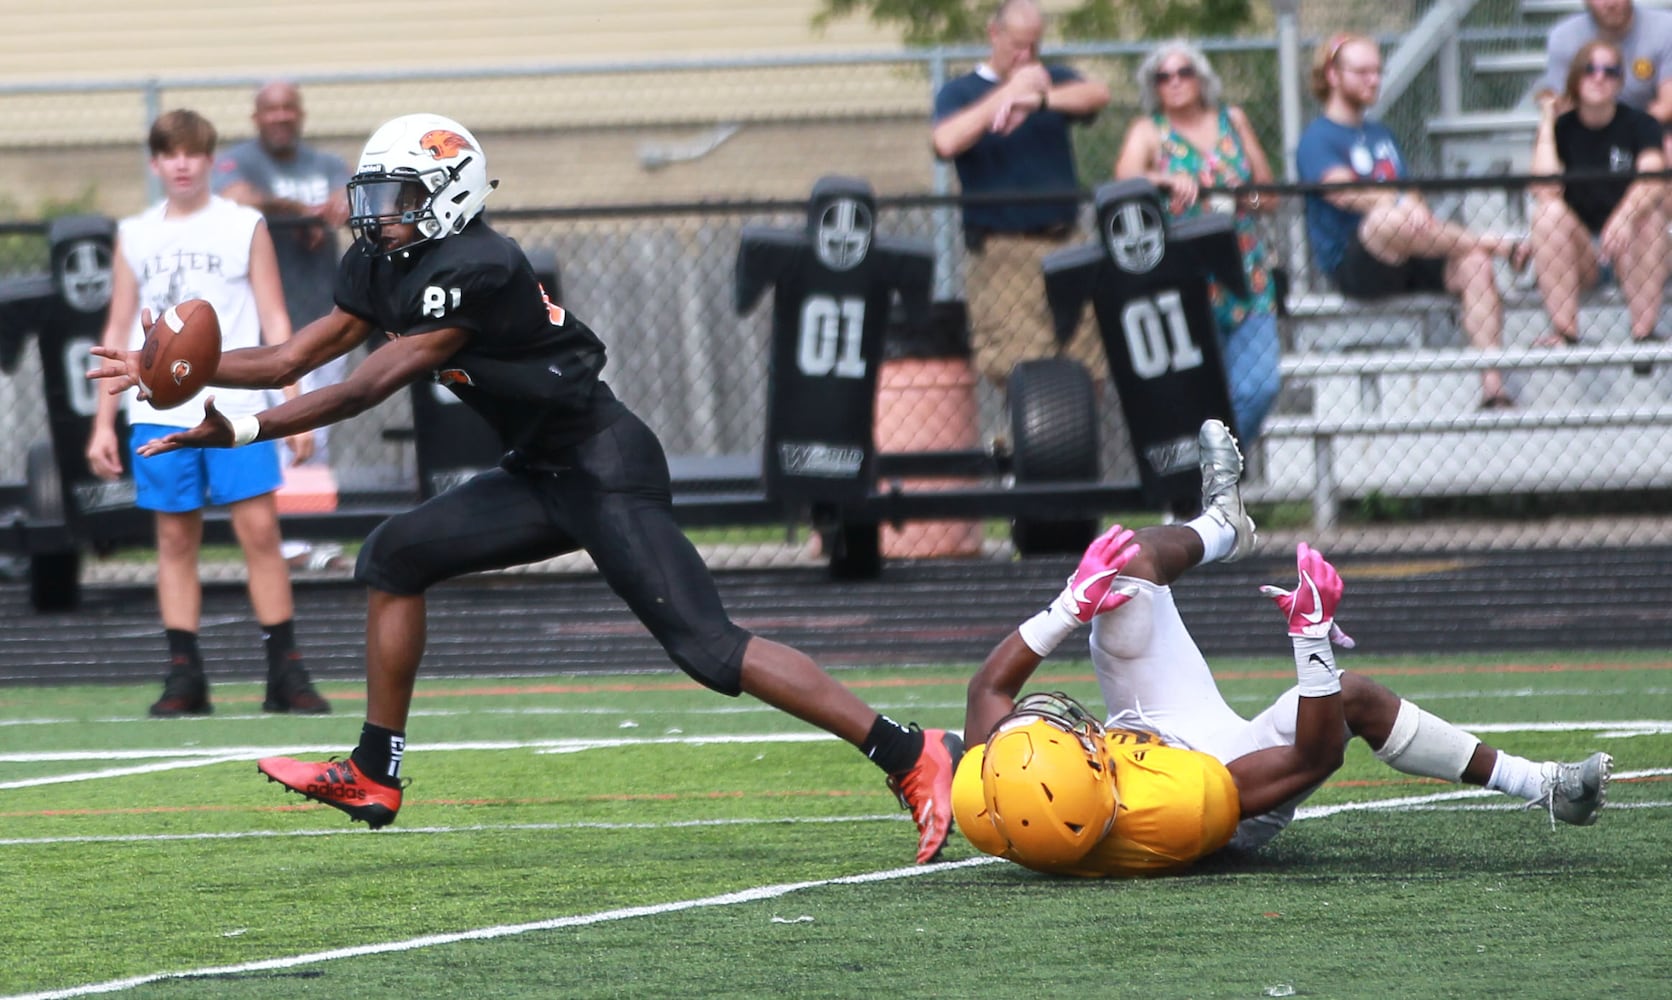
x: 1382, y: 399
x: 1483, y: 139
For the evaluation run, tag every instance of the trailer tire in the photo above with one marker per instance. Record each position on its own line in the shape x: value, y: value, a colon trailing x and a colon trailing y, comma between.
x: 1053, y: 433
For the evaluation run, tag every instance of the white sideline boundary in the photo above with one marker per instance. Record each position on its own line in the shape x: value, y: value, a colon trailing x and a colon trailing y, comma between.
x: 753, y: 895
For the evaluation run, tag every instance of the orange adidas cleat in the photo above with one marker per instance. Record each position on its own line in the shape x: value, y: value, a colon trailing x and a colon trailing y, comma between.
x: 926, y: 790
x: 339, y: 784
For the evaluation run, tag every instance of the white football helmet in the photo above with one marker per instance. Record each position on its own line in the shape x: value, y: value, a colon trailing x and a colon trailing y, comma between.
x: 423, y: 170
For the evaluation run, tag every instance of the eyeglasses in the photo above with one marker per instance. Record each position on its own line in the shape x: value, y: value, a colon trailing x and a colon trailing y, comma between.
x: 1182, y: 73
x: 1614, y: 72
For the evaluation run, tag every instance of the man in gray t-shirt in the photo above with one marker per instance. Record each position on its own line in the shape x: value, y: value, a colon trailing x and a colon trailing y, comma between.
x: 1644, y: 36
x: 289, y: 180
x: 303, y: 193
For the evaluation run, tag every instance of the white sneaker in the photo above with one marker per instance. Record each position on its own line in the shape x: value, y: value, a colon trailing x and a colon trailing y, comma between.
x: 1221, y: 496
x: 1575, y: 793
x: 315, y: 556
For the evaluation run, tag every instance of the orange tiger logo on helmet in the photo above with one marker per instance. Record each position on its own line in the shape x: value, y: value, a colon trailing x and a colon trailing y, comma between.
x: 444, y: 144
x: 453, y: 376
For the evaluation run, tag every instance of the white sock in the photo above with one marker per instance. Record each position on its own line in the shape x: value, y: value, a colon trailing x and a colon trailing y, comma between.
x: 1217, y: 536
x: 1517, y: 776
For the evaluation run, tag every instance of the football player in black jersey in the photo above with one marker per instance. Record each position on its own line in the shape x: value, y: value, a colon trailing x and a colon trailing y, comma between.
x: 460, y: 304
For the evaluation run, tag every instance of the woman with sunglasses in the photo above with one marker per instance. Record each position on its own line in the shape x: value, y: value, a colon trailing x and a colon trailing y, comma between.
x: 1187, y: 141
x: 1618, y: 222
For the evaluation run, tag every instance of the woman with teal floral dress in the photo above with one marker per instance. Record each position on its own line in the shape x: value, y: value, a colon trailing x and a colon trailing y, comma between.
x: 1186, y: 141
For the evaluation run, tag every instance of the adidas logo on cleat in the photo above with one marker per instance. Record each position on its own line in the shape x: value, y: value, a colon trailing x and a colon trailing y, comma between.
x: 337, y: 784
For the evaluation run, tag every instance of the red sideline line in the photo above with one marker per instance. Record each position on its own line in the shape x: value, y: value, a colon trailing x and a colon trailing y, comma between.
x: 516, y: 690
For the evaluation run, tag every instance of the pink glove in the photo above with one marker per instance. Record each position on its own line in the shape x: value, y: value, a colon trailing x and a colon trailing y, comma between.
x: 1092, y: 590
x: 1310, y: 607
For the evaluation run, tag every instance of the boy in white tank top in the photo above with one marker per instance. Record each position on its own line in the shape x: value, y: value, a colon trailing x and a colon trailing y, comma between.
x: 193, y: 245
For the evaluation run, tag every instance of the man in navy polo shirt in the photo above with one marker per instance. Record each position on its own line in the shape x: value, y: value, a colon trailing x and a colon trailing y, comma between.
x: 1005, y: 126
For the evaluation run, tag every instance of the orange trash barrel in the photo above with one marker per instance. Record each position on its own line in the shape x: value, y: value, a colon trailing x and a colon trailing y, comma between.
x: 928, y: 404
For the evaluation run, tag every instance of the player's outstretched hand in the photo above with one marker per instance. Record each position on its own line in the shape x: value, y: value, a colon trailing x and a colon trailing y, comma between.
x: 1310, y: 607
x: 214, y: 432
x: 124, y: 368
x: 1092, y: 589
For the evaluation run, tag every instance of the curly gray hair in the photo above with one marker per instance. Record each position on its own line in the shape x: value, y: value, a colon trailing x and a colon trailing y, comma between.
x: 1209, y: 80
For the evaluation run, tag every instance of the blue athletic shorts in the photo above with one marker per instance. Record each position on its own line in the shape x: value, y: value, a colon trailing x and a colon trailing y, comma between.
x: 192, y: 478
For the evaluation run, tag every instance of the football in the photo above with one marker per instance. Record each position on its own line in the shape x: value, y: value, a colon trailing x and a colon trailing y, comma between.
x: 181, y: 352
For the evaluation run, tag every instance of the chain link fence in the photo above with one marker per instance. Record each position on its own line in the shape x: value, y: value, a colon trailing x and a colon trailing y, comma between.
x: 1379, y: 422
x: 1377, y: 438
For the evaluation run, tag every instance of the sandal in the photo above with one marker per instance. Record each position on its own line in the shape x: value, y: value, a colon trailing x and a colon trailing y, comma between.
x: 1498, y: 401
x: 1556, y: 338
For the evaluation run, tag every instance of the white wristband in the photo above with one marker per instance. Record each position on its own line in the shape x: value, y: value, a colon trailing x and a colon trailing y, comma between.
x: 245, y: 429
x: 1315, y: 667
x: 1046, y: 630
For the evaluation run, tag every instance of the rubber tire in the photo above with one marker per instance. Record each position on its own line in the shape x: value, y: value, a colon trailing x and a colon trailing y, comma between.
x: 1053, y: 431
x: 54, y: 577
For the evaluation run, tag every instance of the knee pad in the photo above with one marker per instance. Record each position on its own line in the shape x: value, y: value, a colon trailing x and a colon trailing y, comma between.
x: 1426, y: 745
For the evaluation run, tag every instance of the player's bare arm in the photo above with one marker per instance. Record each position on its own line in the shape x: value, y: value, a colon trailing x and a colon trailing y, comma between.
x: 1268, y: 778
x: 275, y: 365
x: 1096, y: 587
x: 992, y: 692
x: 267, y: 367
x: 401, y: 362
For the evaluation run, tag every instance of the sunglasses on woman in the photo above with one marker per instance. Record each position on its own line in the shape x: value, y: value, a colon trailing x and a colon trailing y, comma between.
x: 1166, y: 76
x: 1602, y: 69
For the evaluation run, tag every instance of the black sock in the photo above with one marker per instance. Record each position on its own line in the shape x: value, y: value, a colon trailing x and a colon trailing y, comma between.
x: 182, y: 650
x: 379, y: 753
x: 281, y: 646
x: 891, y: 746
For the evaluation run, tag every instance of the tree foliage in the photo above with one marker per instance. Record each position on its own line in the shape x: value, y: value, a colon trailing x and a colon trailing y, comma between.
x: 955, y: 22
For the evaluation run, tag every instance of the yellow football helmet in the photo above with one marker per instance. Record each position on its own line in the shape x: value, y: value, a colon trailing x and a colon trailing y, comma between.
x: 1048, y: 782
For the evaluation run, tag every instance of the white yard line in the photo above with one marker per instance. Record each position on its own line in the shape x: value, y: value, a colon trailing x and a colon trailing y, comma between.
x: 751, y: 895
x: 754, y: 895
x: 116, y: 772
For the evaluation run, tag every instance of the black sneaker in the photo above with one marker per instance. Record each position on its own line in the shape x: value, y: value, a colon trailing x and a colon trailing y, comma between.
x: 292, y: 691
x: 185, y: 692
